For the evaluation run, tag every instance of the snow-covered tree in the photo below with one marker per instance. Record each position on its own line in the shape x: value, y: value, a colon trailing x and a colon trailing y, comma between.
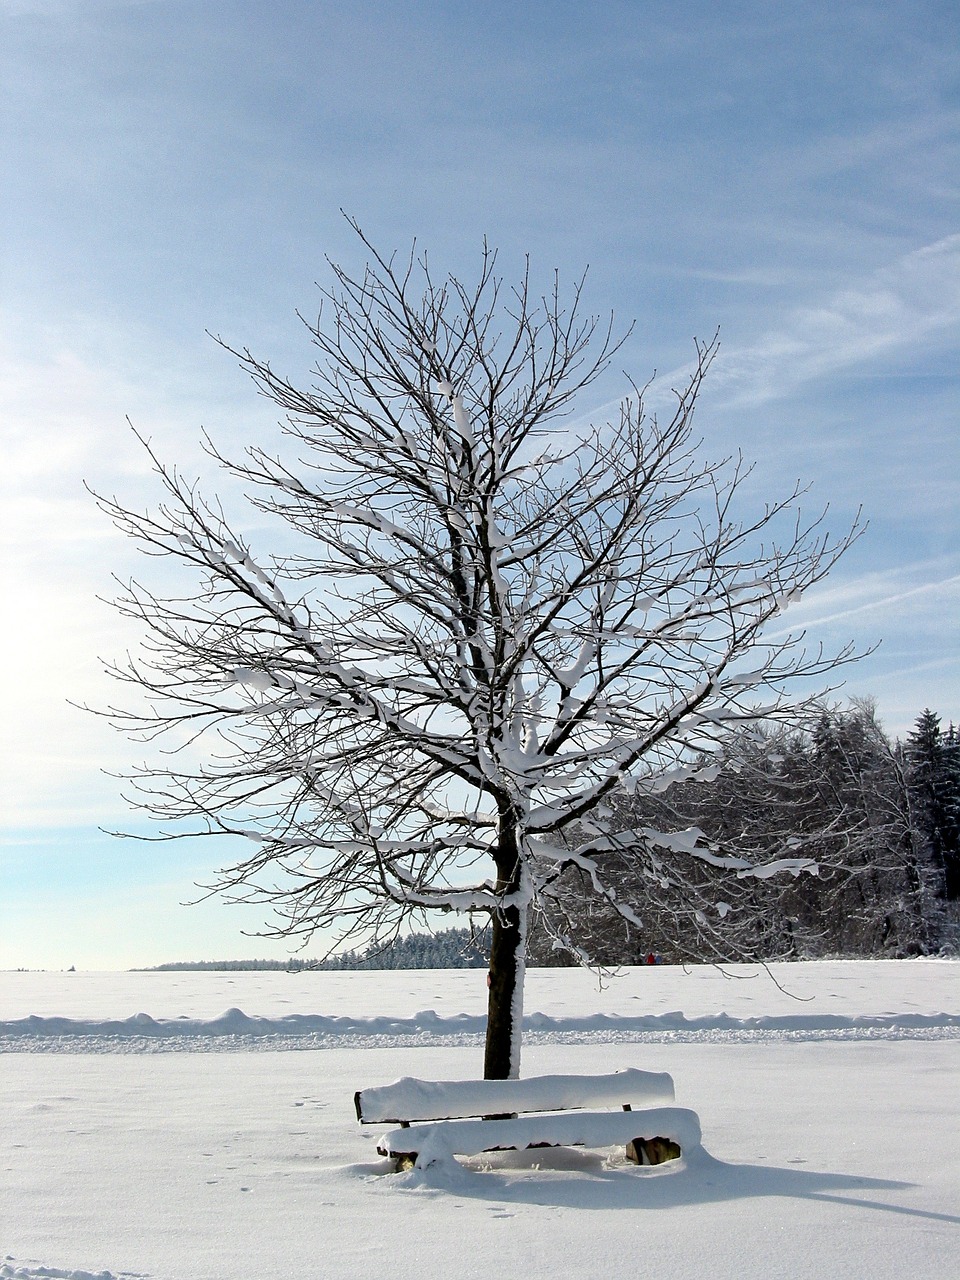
x: 477, y: 626
x: 831, y: 791
x: 876, y: 895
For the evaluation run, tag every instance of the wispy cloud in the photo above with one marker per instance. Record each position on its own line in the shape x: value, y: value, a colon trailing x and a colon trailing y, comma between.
x: 884, y: 143
x: 902, y: 306
x: 909, y: 614
x: 847, y: 600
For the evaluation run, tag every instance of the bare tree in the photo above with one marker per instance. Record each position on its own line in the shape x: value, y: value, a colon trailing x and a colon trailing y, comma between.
x: 478, y: 625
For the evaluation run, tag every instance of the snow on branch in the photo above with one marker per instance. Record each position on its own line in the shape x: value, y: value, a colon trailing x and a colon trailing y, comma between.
x: 478, y: 627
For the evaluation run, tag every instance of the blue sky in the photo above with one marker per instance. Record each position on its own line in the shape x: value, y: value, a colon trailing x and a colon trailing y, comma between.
x: 790, y: 174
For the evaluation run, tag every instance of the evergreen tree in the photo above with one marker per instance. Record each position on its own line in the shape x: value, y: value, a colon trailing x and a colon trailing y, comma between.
x: 950, y: 813
x: 933, y: 761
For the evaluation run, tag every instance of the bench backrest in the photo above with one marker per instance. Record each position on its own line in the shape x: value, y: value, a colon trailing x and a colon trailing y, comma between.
x: 409, y: 1099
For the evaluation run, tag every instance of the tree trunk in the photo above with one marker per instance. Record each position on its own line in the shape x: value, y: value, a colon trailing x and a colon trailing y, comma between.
x: 505, y: 999
x: 508, y: 955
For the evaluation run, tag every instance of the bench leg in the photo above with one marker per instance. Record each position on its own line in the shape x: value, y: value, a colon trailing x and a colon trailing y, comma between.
x: 652, y: 1150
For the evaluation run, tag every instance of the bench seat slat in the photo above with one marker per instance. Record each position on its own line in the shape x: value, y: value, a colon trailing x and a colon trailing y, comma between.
x: 412, y: 1100
x: 570, y: 1129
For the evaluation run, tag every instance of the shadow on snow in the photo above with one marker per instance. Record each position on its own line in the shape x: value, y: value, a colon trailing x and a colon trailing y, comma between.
x: 535, y: 1177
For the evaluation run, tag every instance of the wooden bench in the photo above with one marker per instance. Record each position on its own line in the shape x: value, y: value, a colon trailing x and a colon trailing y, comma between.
x: 441, y: 1119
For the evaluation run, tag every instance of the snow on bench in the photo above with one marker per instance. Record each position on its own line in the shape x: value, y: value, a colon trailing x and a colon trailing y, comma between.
x: 471, y: 1116
x: 409, y: 1099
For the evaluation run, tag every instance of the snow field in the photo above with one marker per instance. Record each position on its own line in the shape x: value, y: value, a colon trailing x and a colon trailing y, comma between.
x: 823, y: 1157
x: 849, y: 988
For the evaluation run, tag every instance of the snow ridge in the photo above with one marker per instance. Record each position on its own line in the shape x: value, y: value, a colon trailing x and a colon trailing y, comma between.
x: 8, y: 1271
x: 236, y: 1030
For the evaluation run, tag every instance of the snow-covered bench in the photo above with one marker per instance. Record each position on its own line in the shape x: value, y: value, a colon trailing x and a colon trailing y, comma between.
x: 439, y: 1119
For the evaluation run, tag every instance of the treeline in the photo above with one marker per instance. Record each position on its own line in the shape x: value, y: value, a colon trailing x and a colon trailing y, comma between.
x: 880, y: 819
x: 229, y: 966
x: 448, y: 949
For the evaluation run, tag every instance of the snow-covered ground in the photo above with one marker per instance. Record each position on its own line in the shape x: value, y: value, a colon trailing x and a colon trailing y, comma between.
x: 147, y: 1135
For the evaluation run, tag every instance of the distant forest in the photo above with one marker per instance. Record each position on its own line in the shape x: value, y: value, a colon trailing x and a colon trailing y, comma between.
x: 881, y: 818
x: 446, y: 949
